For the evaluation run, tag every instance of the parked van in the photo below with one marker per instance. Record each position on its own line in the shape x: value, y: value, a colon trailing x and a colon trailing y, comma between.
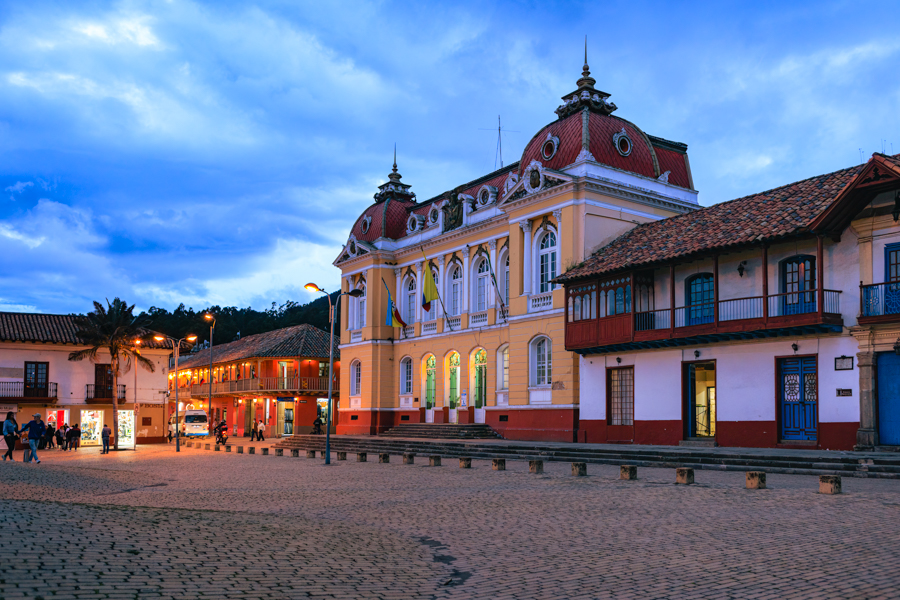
x: 192, y: 423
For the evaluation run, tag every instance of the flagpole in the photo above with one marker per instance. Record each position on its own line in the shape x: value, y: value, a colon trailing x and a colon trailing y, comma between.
x: 437, y: 290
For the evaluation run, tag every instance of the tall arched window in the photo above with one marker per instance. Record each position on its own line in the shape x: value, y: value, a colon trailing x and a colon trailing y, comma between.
x: 480, y: 364
x: 355, y: 378
x: 546, y: 262
x: 503, y: 368
x: 541, y: 362
x: 430, y: 381
x: 456, y: 290
x: 482, y: 281
x: 453, y: 378
x: 410, y: 304
x: 361, y: 306
x: 406, y: 376
x: 699, y: 292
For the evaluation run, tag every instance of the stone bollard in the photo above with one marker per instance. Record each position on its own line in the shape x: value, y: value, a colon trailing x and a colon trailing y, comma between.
x: 206, y: 447
x: 628, y: 472
x: 409, y: 458
x: 279, y: 451
x: 829, y: 484
x: 465, y: 463
x: 322, y: 454
x: 579, y: 469
x: 536, y: 467
x: 252, y: 449
x: 434, y: 460
x: 188, y: 444
x: 756, y: 480
x: 227, y: 447
x: 218, y: 448
x: 295, y: 452
x: 384, y: 457
x: 310, y: 454
x: 240, y: 449
x: 498, y: 464
x: 361, y: 457
x: 265, y: 451
x: 684, y: 476
x: 342, y: 456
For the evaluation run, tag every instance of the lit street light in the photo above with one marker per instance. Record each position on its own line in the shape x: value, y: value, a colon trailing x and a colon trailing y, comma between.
x: 332, y: 309
x: 212, y: 327
x: 176, y: 345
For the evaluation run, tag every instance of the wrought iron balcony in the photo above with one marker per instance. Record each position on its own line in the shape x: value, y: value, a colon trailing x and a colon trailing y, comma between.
x: 293, y: 386
x: 98, y: 392
x: 18, y: 389
x: 879, y: 303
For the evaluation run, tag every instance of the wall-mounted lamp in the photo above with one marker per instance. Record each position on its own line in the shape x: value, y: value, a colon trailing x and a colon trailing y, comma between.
x: 742, y: 266
x: 795, y: 347
x: 619, y: 359
x: 696, y: 354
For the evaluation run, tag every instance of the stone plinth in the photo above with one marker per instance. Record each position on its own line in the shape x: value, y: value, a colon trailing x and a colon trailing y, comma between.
x: 342, y: 456
x: 465, y: 463
x: 279, y: 451
x: 434, y: 461
x: 265, y: 451
x: 579, y: 469
x: 295, y: 452
x: 310, y: 454
x: 206, y: 447
x: 409, y: 458
x: 361, y: 457
x: 756, y: 480
x: 218, y: 448
x: 384, y: 457
x: 252, y: 450
x: 829, y: 484
x: 240, y: 449
x: 536, y: 467
x: 227, y: 447
x: 628, y: 472
x: 684, y: 476
x: 498, y: 464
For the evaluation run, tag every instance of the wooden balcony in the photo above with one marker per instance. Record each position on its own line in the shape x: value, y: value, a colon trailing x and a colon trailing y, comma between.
x: 102, y: 394
x: 740, y: 318
x: 285, y: 386
x: 17, y: 390
x: 879, y: 303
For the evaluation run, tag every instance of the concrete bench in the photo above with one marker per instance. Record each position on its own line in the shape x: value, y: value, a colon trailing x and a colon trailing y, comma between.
x: 498, y: 464
x: 465, y: 463
x: 628, y: 472
x: 579, y: 469
x: 536, y: 467
x: 756, y: 480
x: 684, y: 476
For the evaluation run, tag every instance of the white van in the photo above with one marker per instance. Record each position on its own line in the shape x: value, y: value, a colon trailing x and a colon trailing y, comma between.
x: 192, y: 423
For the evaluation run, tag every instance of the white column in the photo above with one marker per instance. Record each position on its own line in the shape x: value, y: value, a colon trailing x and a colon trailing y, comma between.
x: 558, y: 214
x: 419, y: 290
x: 526, y: 263
x: 492, y: 290
x: 466, y: 286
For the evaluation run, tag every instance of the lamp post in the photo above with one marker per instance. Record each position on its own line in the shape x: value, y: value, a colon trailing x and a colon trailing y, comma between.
x: 312, y: 287
x: 212, y: 328
x: 176, y: 345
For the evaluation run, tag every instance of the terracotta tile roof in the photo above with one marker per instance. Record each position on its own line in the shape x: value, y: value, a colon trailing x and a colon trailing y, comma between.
x: 672, y: 161
x: 47, y: 329
x: 770, y: 215
x: 301, y: 340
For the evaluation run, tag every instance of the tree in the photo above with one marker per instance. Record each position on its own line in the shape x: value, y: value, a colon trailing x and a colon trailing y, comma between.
x: 113, y: 328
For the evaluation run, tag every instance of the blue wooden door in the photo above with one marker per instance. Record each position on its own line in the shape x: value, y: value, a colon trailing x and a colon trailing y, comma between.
x: 798, y: 281
x: 888, y: 373
x: 799, y: 398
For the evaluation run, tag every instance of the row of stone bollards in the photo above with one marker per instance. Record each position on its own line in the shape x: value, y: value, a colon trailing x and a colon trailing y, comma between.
x: 755, y: 480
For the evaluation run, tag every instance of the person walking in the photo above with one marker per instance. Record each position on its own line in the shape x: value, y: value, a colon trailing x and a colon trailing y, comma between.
x: 255, y: 430
x: 36, y: 430
x: 171, y: 430
x: 76, y: 437
x: 70, y: 439
x: 50, y: 435
x: 105, y: 433
x: 10, y: 435
x: 261, y: 431
x: 61, y: 437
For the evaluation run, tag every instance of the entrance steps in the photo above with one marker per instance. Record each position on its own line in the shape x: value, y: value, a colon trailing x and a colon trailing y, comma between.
x: 771, y: 460
x: 442, y: 431
x: 710, y: 443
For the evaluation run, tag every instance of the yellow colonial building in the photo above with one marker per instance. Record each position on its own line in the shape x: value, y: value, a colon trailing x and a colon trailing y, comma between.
x: 493, y: 350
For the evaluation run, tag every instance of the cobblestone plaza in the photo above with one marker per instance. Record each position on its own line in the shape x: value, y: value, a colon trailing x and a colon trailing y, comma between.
x: 156, y: 524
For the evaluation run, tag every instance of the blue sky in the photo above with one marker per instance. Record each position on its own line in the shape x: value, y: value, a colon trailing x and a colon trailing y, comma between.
x: 219, y: 152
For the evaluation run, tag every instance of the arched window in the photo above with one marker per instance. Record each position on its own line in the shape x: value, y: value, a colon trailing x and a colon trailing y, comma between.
x: 355, y: 378
x: 541, y: 362
x: 410, y: 305
x: 798, y: 278
x: 503, y: 368
x: 430, y: 365
x: 482, y: 280
x: 546, y: 261
x: 453, y: 379
x: 480, y: 379
x: 361, y: 306
x: 456, y: 290
x: 699, y: 292
x: 406, y: 376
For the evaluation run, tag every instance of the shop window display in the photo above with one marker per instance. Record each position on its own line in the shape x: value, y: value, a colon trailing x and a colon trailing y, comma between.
x: 91, y: 427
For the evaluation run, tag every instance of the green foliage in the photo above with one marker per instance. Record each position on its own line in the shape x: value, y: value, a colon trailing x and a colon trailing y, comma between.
x: 230, y: 319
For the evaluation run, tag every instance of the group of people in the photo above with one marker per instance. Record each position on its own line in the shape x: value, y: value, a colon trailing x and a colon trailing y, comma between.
x: 259, y: 430
x: 39, y: 436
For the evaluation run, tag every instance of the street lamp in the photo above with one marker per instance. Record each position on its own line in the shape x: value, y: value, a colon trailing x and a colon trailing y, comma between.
x: 212, y: 327
x: 331, y: 311
x: 176, y: 345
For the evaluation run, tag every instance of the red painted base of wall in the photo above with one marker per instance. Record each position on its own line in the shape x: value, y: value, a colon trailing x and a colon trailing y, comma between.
x: 152, y: 440
x: 369, y: 422
x: 837, y: 436
x: 542, y: 425
x: 661, y: 433
x: 747, y: 434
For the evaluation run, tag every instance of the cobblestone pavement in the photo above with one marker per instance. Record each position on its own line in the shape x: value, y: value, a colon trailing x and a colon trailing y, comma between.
x: 156, y: 524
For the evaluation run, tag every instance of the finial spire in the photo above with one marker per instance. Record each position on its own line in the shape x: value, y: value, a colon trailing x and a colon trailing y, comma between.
x: 585, y: 55
x: 395, y: 157
x: 586, y: 79
x: 394, y: 175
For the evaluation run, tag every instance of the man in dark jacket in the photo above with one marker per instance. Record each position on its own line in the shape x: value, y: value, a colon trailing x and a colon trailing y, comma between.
x: 36, y: 430
x: 105, y: 434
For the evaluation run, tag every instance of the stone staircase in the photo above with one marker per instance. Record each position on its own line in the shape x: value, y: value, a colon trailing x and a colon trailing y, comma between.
x: 442, y: 431
x: 798, y: 462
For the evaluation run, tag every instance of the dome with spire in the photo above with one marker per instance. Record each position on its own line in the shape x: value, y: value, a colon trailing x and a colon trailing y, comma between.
x: 387, y: 216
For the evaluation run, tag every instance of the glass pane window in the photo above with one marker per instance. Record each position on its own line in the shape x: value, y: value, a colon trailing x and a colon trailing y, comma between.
x: 456, y: 291
x: 504, y: 368
x: 542, y: 362
x: 621, y: 396
x: 411, y: 301
x: 406, y: 376
x: 355, y: 378
x: 892, y: 264
x: 547, y: 262
x: 506, y: 282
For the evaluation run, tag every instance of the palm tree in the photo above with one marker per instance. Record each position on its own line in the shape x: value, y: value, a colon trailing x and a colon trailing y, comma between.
x: 113, y: 328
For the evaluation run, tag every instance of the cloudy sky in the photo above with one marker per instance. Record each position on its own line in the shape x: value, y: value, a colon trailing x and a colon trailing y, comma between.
x: 179, y: 151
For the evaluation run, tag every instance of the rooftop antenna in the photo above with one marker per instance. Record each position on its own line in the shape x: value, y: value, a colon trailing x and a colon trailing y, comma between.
x: 498, y: 156
x: 860, y: 156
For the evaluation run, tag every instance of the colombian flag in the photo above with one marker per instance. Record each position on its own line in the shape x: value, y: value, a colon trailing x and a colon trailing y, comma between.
x: 393, y: 315
x: 430, y: 291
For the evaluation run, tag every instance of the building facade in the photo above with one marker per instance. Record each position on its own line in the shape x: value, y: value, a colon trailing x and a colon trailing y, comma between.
x: 493, y: 349
x: 279, y: 377
x: 36, y: 376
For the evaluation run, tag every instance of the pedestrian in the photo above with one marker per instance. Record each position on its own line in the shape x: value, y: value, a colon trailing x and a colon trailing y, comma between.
x: 317, y: 425
x: 105, y: 433
x: 50, y: 436
x: 61, y: 437
x: 70, y: 439
x: 10, y: 435
x: 76, y: 437
x: 255, y: 430
x: 171, y: 430
x: 36, y: 430
x: 261, y: 431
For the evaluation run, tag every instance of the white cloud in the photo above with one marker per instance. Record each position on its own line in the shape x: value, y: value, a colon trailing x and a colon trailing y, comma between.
x: 17, y: 188
x: 132, y: 30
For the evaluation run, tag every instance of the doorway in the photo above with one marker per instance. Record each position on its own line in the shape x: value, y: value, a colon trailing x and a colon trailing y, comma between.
x: 798, y: 390
x: 700, y: 399
x: 887, y: 365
